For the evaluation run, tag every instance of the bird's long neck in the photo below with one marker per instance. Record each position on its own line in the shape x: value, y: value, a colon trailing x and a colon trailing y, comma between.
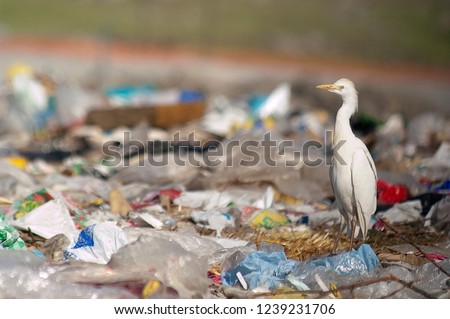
x: 349, y: 107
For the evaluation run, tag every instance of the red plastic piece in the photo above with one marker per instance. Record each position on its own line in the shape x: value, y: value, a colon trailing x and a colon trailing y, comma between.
x: 171, y: 193
x: 389, y: 194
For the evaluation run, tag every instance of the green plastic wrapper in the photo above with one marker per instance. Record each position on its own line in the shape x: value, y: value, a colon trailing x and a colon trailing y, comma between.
x: 9, y: 237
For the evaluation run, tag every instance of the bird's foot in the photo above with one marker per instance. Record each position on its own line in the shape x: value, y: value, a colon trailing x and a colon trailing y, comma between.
x: 332, y: 253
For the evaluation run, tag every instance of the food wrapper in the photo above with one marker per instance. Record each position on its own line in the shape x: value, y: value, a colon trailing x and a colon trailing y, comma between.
x: 268, y: 219
x: 9, y: 237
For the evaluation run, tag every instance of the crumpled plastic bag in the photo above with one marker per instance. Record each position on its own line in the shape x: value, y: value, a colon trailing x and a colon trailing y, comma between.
x: 14, y: 181
x: 166, y: 260
x: 96, y: 243
x: 191, y: 242
x: 9, y: 237
x: 45, y: 214
x: 349, y: 263
x: 25, y: 275
x: 405, y: 212
x: 48, y: 220
x: 436, y: 168
x: 215, y: 220
x: 439, y: 215
x: 353, y: 265
x: 277, y: 103
x: 267, y: 269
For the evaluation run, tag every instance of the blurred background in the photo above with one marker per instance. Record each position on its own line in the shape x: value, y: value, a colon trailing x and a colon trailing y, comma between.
x: 398, y: 51
x: 403, y: 31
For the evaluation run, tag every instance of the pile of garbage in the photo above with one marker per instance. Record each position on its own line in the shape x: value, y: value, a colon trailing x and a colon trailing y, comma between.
x: 145, y: 192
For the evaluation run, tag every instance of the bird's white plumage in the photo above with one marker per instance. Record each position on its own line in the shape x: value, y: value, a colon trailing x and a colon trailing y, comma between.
x: 353, y: 174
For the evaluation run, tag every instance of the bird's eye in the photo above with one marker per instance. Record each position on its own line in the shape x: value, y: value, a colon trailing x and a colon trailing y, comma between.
x: 341, y: 87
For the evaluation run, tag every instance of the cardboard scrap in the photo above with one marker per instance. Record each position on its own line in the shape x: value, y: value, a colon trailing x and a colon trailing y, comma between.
x: 118, y: 203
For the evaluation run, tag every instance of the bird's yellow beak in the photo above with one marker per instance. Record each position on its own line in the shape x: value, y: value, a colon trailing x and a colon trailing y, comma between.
x: 330, y: 87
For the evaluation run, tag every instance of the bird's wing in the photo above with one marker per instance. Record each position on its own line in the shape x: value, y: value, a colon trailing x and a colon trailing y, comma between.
x: 364, y: 186
x: 372, y: 164
x: 369, y: 157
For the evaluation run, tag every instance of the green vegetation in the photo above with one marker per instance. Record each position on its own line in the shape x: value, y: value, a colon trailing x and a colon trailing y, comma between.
x: 409, y: 31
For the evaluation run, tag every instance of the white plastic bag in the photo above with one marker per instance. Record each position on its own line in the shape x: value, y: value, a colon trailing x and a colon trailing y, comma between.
x: 48, y: 220
x: 96, y: 243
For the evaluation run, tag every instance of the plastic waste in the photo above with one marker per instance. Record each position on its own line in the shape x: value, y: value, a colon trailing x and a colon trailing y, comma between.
x: 268, y: 219
x: 96, y: 243
x: 431, y: 279
x: 228, y: 243
x: 18, y: 161
x: 423, y: 128
x: 389, y: 194
x: 9, y: 237
x: 428, y: 200
x: 46, y: 220
x: 224, y: 255
x: 171, y: 96
x: 159, y: 170
x: 46, y: 214
x: 436, y: 169
x: 207, y: 200
x: 346, y: 267
x: 322, y: 218
x: 152, y: 192
x: 147, y: 95
x: 78, y: 188
x: 285, y: 169
x: 53, y: 248
x: 405, y: 212
x: 156, y: 217
x: 267, y: 269
x: 388, y: 288
x: 128, y: 95
x: 389, y: 138
x: 439, y: 215
x: 277, y: 103
x: 30, y: 100
x: 222, y: 120
x: 313, y: 122
x: 173, y: 265
x: 444, y: 187
x: 216, y: 220
x: 426, y: 278
x: 72, y: 104
x: 14, y: 182
x: 26, y: 276
x: 233, y: 196
x: 203, y: 247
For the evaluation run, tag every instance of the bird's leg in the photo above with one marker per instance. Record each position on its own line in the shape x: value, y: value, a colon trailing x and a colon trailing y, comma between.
x: 338, y: 237
x: 352, y: 236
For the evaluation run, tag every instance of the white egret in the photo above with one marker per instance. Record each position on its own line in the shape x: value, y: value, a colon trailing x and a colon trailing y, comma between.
x: 352, y: 173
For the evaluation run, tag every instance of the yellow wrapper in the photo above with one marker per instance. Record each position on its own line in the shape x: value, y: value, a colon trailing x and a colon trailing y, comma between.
x: 18, y: 161
x: 268, y: 219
